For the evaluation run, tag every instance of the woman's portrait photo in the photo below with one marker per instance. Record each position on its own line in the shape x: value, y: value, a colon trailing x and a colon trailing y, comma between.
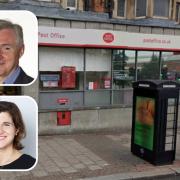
x: 18, y: 133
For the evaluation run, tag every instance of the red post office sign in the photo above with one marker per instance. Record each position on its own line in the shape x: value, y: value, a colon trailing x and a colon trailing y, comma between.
x: 108, y: 37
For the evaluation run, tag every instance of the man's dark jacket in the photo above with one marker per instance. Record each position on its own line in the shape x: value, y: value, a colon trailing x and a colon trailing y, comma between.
x: 23, y: 78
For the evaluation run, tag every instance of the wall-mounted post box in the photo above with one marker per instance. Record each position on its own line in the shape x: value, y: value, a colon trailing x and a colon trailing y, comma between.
x: 64, y: 118
x: 68, y: 77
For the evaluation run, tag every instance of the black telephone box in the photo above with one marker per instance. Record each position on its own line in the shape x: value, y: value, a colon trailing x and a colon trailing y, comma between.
x: 154, y: 121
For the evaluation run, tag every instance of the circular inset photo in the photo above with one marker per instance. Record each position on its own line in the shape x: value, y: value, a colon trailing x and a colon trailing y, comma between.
x: 18, y: 48
x: 18, y: 133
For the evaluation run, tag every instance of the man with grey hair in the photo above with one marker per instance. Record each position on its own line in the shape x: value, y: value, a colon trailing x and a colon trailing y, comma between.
x: 11, y: 49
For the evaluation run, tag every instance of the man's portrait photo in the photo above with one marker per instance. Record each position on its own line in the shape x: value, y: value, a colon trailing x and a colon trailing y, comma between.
x: 18, y: 48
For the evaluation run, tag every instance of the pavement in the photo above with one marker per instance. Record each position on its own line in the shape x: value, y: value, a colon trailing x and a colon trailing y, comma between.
x: 96, y: 156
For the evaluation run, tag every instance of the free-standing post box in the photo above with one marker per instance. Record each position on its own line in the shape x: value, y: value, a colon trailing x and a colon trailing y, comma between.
x: 154, y: 121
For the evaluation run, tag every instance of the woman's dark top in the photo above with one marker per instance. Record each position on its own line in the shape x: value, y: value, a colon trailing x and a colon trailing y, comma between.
x: 23, y: 162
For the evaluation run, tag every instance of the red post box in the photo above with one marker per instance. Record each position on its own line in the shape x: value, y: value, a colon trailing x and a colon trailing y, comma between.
x: 68, y: 77
x: 64, y: 118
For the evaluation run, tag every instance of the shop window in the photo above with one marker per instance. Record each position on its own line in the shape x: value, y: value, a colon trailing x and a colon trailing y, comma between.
x: 54, y: 80
x: 123, y: 68
x: 121, y: 6
x: 161, y: 8
x: 140, y: 6
x: 170, y: 66
x: 98, y: 76
x: 123, y: 71
x: 103, y: 77
x: 98, y: 69
x: 60, y: 59
x: 148, y: 65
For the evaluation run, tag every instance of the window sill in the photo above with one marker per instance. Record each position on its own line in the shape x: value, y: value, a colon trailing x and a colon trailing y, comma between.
x: 85, y: 108
x: 71, y: 90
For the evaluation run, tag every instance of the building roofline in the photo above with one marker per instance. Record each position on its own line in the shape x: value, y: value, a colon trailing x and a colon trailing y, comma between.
x: 55, y: 11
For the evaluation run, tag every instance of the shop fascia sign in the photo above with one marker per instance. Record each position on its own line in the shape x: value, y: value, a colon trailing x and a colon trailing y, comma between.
x: 66, y: 37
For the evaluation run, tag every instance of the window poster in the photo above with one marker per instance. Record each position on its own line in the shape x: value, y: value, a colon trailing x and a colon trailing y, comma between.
x: 144, y: 122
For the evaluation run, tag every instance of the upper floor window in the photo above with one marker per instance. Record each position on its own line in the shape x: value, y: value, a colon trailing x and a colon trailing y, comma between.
x: 140, y: 6
x: 178, y: 12
x: 161, y: 8
x: 96, y: 5
x: 121, y: 4
x: 71, y: 3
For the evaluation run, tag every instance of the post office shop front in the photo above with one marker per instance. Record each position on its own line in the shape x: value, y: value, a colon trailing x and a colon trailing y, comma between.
x: 89, y: 74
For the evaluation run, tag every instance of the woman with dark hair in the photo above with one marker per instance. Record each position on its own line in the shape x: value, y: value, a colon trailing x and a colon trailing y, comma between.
x: 12, y: 131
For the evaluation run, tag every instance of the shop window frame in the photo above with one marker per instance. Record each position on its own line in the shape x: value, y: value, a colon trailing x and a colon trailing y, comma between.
x: 111, y: 90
